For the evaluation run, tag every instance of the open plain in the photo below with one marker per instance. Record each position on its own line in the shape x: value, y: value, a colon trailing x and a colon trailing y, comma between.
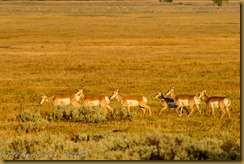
x: 138, y: 47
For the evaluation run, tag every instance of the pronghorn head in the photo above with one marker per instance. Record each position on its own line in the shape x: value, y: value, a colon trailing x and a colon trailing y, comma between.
x: 80, y: 93
x: 43, y: 98
x: 202, y: 94
x: 170, y: 91
x: 115, y: 94
x: 159, y: 95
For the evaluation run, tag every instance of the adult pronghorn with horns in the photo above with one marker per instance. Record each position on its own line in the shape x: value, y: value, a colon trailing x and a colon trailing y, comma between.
x: 131, y: 101
x: 213, y: 102
x: 62, y: 99
x: 184, y: 101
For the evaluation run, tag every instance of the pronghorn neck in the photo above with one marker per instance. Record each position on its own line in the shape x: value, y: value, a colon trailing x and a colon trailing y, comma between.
x: 82, y: 95
x: 173, y: 95
x: 49, y: 99
x: 205, y: 97
x: 119, y: 98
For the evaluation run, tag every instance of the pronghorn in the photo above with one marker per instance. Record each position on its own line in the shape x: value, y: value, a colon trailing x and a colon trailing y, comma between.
x: 184, y: 101
x: 166, y: 102
x: 213, y: 102
x: 102, y: 101
x: 62, y: 99
x: 130, y: 101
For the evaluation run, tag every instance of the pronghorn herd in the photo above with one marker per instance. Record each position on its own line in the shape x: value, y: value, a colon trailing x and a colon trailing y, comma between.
x: 179, y: 102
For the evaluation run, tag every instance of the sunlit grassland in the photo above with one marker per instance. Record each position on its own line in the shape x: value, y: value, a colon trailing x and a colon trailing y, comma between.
x: 139, y: 47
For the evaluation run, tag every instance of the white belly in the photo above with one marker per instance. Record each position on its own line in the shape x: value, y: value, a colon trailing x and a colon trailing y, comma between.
x: 63, y: 102
x: 184, y: 103
x: 133, y: 102
x: 93, y: 103
x: 215, y: 104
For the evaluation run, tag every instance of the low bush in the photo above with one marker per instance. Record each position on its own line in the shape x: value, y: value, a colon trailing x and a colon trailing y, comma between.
x: 28, y: 115
x: 116, y: 146
x: 82, y: 114
x: 88, y: 115
x: 30, y: 126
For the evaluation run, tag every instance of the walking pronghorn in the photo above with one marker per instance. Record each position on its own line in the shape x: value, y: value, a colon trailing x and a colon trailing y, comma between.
x: 62, y: 99
x: 131, y: 101
x: 102, y: 101
x: 213, y: 102
x: 166, y: 102
x: 184, y: 101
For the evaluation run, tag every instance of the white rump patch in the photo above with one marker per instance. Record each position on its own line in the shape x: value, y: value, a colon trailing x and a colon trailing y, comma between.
x: 184, y: 102
x: 107, y: 99
x: 144, y: 99
x: 94, y: 103
x: 227, y: 102
x: 215, y: 104
x: 133, y: 102
x: 64, y: 101
x: 197, y: 100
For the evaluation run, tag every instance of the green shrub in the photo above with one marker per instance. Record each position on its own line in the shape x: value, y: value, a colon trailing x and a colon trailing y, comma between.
x: 83, y: 114
x: 28, y: 115
x: 88, y: 115
x: 117, y: 146
x: 219, y: 2
x: 31, y: 126
x: 166, y: 0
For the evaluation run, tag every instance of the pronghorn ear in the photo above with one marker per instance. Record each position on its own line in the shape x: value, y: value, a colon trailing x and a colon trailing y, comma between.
x: 204, y: 91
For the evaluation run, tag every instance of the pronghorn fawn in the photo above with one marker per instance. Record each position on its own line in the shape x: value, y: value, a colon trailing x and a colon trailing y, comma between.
x: 213, y: 102
x: 131, y: 101
x: 99, y: 100
x: 166, y: 102
x: 62, y: 99
x: 184, y: 101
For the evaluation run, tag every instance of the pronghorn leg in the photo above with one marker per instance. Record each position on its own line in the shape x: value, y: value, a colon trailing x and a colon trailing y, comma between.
x: 223, y: 112
x: 143, y: 109
x: 149, y: 109
x: 192, y: 109
x: 104, y: 108
x: 164, y: 108
x: 228, y: 111
x: 144, y: 105
x: 109, y: 107
x: 177, y: 111
x: 197, y: 106
x: 128, y: 112
x: 213, y: 111
x: 75, y: 104
x: 181, y: 111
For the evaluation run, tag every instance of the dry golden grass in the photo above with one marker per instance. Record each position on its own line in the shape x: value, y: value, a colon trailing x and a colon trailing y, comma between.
x: 138, y: 47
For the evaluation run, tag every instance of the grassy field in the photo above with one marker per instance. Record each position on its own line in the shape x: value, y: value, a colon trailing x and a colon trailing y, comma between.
x: 139, y: 47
